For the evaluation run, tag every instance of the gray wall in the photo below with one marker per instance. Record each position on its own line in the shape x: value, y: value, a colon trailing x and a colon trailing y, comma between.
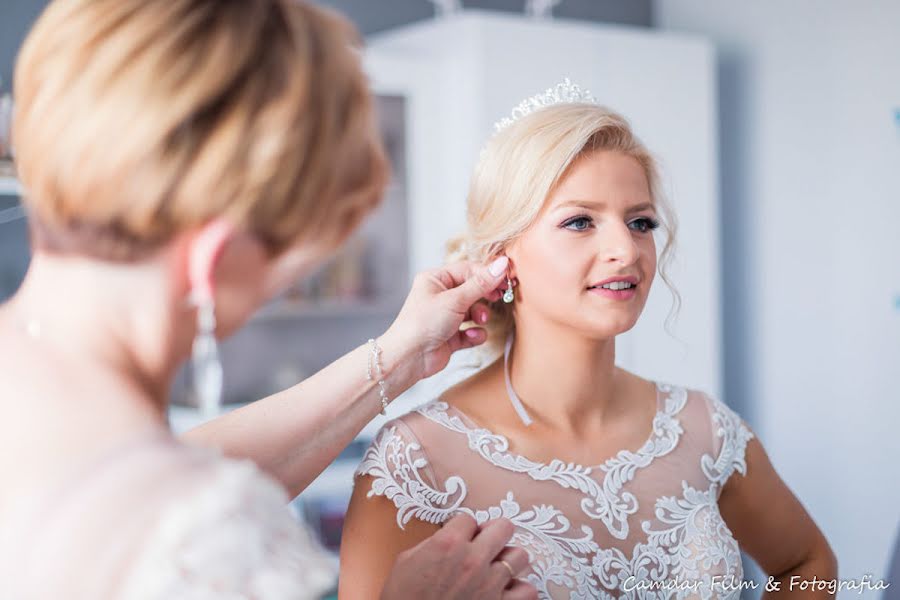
x: 376, y: 15
x: 370, y: 16
x: 17, y: 16
x: 809, y: 151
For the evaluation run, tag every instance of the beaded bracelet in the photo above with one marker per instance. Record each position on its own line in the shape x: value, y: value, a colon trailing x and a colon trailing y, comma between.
x: 375, y: 358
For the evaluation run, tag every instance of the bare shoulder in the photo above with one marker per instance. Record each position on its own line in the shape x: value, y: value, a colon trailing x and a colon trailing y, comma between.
x: 635, y: 386
x: 640, y: 393
x: 372, y: 539
x: 476, y: 395
x: 369, y: 511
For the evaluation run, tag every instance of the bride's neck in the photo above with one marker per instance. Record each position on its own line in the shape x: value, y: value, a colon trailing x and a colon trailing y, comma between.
x: 564, y: 379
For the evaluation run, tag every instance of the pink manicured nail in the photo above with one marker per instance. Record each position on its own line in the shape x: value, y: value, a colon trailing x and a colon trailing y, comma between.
x: 471, y: 333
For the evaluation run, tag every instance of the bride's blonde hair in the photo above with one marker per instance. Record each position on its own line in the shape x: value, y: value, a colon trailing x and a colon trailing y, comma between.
x: 518, y: 169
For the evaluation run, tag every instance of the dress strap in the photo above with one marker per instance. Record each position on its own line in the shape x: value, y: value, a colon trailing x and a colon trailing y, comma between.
x: 517, y: 404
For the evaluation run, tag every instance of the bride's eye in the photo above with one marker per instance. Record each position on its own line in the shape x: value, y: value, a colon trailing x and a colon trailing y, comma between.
x: 580, y: 219
x: 646, y: 224
x: 642, y: 225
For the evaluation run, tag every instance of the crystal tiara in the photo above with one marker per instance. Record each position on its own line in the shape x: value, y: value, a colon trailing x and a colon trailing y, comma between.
x: 562, y: 93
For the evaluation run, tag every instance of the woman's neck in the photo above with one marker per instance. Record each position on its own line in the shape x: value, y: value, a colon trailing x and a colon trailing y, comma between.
x: 565, y: 380
x: 109, y: 320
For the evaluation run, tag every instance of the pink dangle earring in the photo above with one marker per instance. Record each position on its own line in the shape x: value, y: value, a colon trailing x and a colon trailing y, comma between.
x: 205, y: 362
x: 508, y: 295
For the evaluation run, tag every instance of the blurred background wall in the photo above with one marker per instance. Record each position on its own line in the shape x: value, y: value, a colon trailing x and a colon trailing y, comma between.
x: 370, y: 16
x: 809, y: 136
x: 810, y: 198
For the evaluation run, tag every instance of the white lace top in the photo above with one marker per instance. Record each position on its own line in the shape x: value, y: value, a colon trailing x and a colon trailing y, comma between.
x: 161, y: 521
x: 643, y: 524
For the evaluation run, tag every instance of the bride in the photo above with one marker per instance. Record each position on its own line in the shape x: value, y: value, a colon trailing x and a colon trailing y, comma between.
x: 617, y: 485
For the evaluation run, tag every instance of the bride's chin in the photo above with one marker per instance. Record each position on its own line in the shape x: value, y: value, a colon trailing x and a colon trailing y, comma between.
x: 608, y: 328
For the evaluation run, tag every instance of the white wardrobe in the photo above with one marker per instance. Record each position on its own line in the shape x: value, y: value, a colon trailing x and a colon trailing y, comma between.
x: 461, y: 74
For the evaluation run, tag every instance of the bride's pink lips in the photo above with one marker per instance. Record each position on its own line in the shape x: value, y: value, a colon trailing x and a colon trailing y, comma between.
x: 615, y: 294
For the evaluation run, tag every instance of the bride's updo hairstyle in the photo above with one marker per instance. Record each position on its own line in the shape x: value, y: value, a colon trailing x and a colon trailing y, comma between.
x: 136, y: 120
x: 519, y: 168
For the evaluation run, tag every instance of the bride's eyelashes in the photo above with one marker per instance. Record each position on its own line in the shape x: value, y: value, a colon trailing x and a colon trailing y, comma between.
x: 646, y: 224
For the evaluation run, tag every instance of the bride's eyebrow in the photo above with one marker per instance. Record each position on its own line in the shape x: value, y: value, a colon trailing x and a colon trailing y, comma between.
x: 588, y: 205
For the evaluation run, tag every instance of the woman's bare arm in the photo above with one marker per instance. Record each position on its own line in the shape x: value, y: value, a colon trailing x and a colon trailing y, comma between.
x: 295, y: 434
x: 773, y: 527
x: 372, y: 540
x: 453, y: 561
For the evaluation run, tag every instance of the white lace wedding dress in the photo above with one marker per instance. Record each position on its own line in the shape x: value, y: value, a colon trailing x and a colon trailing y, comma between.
x: 643, y: 524
x: 159, y: 520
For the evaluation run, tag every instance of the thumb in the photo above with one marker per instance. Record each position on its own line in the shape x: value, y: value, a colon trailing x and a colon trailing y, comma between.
x: 482, y: 281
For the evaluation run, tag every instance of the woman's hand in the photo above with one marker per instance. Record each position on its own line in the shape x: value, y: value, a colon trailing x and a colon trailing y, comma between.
x: 462, y: 562
x: 439, y: 302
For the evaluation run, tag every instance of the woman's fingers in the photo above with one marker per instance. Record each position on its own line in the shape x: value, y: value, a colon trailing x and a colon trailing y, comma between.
x: 454, y: 274
x: 516, y: 558
x: 493, y: 537
x: 481, y: 281
x: 478, y: 313
x: 508, y: 565
x: 467, y: 278
x: 520, y: 590
x: 461, y: 524
x: 497, y: 293
x: 467, y: 339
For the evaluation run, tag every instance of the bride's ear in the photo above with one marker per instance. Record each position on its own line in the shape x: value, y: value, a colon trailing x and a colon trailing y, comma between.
x: 511, y: 269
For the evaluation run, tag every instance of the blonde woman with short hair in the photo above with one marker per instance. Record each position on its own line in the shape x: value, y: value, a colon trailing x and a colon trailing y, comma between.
x: 617, y: 486
x: 183, y: 161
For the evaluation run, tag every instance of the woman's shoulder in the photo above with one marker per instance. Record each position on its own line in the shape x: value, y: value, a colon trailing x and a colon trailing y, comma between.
x: 695, y: 402
x: 159, y: 519
x: 721, y: 432
x: 416, y: 461
x: 227, y: 525
x: 726, y: 421
x: 414, y: 440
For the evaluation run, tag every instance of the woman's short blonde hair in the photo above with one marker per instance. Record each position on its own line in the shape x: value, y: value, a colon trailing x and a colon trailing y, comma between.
x: 519, y: 168
x: 138, y: 119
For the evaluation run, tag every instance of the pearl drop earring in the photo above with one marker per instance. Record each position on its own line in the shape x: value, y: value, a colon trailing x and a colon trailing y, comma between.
x: 508, y: 294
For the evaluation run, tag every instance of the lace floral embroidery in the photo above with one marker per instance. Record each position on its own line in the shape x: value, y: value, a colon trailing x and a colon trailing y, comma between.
x: 729, y: 426
x: 397, y: 476
x: 693, y: 533
x: 688, y: 540
x: 605, y: 501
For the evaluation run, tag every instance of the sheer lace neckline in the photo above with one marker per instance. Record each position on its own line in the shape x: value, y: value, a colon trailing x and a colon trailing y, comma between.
x: 661, y: 428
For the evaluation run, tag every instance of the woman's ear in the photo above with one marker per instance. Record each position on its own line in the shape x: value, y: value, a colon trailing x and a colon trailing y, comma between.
x: 204, y: 249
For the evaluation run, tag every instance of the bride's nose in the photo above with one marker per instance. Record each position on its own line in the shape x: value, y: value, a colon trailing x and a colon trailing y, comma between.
x: 618, y: 245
